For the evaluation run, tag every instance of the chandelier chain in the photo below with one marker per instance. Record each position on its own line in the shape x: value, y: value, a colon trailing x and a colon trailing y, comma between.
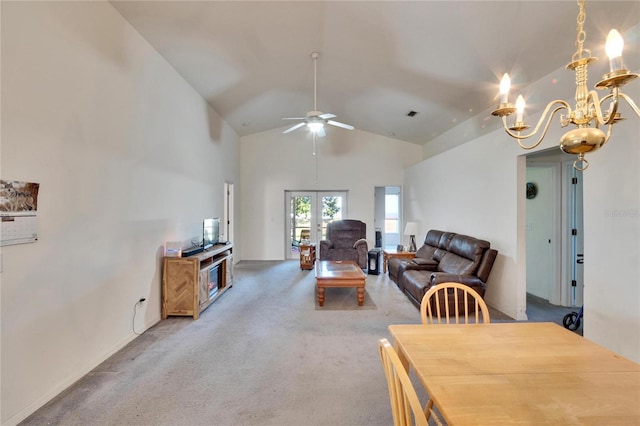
x: 581, y: 116
x: 581, y: 35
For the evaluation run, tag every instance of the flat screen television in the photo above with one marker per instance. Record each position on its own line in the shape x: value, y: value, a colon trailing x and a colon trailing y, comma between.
x: 210, y: 232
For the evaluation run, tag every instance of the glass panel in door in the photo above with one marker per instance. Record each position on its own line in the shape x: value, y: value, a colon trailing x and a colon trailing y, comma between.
x: 299, y: 224
x: 308, y: 213
x: 333, y: 207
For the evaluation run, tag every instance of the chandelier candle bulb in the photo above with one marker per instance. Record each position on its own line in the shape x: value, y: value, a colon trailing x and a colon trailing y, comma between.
x: 613, y: 48
x: 505, y: 85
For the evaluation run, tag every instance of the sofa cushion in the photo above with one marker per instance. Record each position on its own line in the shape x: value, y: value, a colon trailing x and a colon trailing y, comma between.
x: 415, y: 284
x: 430, y: 245
x: 344, y: 233
x: 344, y: 239
x: 464, y: 256
x: 342, y: 254
x: 445, y: 239
x: 424, y: 262
x: 439, y: 254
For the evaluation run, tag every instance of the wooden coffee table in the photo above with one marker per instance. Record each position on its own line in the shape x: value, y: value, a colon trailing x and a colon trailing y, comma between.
x: 339, y: 273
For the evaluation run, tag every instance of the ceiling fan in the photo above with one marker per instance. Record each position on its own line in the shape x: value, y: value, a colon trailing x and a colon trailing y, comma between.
x: 315, y: 120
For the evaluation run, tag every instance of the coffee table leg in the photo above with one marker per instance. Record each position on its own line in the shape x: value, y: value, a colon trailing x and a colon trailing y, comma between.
x: 321, y: 296
x: 360, y: 291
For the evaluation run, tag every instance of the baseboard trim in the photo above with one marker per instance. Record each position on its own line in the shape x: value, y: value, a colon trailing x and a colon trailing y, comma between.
x: 71, y: 380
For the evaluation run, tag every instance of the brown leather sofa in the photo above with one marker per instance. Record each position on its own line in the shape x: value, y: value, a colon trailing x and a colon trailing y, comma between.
x: 346, y: 240
x: 444, y: 256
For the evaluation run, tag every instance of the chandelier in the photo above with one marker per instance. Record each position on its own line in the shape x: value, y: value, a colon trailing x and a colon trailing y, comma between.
x: 588, y: 114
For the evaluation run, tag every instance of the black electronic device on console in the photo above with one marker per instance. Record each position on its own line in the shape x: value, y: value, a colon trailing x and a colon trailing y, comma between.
x: 191, y: 251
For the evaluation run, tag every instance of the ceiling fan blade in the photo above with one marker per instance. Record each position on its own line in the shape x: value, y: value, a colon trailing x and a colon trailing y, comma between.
x: 294, y: 118
x: 321, y: 133
x: 327, y: 115
x: 292, y: 128
x: 339, y: 124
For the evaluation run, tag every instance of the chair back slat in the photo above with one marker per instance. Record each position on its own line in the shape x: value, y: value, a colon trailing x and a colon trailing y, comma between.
x: 436, y: 306
x: 405, y: 405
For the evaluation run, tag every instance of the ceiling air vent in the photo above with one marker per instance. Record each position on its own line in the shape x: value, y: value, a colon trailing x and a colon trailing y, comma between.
x: 412, y: 113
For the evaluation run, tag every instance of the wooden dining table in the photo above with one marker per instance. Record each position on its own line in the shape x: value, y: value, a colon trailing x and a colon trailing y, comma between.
x: 519, y: 373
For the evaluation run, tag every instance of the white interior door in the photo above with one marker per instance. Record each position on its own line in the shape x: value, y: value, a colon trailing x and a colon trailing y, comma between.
x: 226, y: 230
x: 307, y: 216
x: 542, y: 233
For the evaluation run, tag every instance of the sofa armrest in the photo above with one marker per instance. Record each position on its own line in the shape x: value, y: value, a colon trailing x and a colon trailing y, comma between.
x: 398, y: 266
x: 412, y: 266
x: 360, y: 243
x: 325, y: 245
x: 362, y: 247
x: 425, y: 263
x: 471, y: 280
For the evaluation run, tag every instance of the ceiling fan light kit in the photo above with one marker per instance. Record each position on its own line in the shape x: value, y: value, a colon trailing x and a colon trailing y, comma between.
x: 315, y: 120
x: 588, y: 113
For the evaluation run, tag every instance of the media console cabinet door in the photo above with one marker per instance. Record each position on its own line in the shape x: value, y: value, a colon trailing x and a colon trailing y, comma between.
x: 204, y: 288
x: 229, y: 271
x: 179, y: 286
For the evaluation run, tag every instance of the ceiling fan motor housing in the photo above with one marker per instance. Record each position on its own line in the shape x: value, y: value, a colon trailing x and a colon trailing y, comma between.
x: 315, y: 120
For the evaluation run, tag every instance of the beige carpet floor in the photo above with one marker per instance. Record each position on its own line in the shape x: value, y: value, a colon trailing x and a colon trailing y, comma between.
x: 263, y: 354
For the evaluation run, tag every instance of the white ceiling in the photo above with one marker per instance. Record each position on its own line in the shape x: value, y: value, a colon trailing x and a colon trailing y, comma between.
x: 378, y: 60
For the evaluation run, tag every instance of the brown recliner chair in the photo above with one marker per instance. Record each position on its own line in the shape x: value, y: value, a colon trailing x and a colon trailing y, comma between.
x: 346, y: 240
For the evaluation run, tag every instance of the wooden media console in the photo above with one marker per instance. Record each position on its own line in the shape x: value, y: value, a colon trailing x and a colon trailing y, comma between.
x: 191, y: 284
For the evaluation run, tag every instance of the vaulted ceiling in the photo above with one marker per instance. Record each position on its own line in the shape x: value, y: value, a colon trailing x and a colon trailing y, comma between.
x: 250, y: 60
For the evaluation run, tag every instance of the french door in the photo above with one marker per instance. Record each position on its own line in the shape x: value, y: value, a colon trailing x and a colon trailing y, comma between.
x: 307, y: 216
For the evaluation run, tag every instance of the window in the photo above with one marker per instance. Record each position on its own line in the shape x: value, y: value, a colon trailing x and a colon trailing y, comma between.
x: 391, y: 216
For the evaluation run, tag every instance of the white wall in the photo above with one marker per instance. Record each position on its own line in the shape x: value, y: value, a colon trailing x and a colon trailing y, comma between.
x: 127, y: 155
x: 612, y: 241
x: 272, y: 162
x: 478, y: 188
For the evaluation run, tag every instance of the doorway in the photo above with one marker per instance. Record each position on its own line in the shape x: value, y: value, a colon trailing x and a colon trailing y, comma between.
x: 227, y: 220
x: 308, y: 213
x: 388, y: 215
x: 554, y: 229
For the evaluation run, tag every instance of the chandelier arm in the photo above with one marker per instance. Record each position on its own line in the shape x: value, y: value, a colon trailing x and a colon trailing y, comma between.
x: 597, y: 106
x: 519, y: 137
x: 615, y: 96
x: 611, y: 111
x: 630, y: 102
x: 609, y: 131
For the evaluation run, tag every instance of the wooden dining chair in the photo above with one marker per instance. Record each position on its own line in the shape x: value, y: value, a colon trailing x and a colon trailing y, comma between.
x: 402, y: 395
x: 450, y: 302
